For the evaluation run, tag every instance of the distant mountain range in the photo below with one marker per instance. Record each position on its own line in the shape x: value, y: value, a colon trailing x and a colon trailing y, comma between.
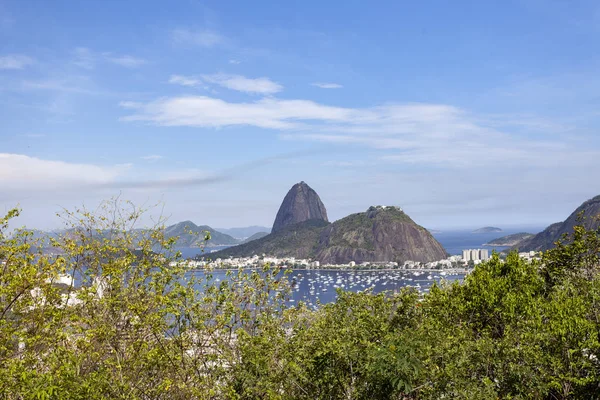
x: 257, y: 235
x: 244, y: 232
x: 301, y: 230
x: 189, y: 234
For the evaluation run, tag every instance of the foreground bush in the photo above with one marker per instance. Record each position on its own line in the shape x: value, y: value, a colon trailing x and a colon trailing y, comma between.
x: 136, y: 326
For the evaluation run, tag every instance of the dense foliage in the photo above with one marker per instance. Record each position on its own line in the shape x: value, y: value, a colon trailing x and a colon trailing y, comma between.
x: 136, y: 326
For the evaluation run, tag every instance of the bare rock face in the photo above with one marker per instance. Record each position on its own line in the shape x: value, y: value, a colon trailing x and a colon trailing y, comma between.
x: 589, y: 210
x: 300, y: 204
x: 381, y: 234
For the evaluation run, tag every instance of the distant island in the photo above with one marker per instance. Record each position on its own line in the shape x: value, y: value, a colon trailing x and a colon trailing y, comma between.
x: 510, y: 240
x: 487, y: 229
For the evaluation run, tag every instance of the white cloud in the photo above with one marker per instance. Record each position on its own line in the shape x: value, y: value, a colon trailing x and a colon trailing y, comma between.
x: 411, y: 133
x: 327, y: 85
x: 15, y: 61
x: 152, y: 157
x: 202, y: 38
x: 203, y: 111
x: 130, y: 104
x: 86, y: 58
x: 234, y: 62
x: 25, y: 172
x: 126, y: 61
x: 243, y: 84
x: 233, y: 82
x: 185, y: 80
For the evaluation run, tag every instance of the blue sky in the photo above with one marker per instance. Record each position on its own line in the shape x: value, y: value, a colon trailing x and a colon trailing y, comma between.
x: 464, y: 113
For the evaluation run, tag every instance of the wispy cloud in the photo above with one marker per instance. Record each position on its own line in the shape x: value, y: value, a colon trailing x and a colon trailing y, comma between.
x: 15, y: 61
x: 234, y: 62
x: 412, y: 133
x: 243, y: 84
x: 202, y: 38
x: 188, y: 178
x: 203, y: 111
x: 185, y: 80
x: 86, y: 58
x: 74, y: 85
x: 327, y: 85
x: 22, y: 171
x: 152, y: 157
x: 126, y: 61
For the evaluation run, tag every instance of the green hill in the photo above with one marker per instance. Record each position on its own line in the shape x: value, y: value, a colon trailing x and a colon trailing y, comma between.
x: 298, y: 240
x: 191, y: 235
x: 589, y: 211
x: 256, y: 236
x: 510, y: 240
x: 381, y: 234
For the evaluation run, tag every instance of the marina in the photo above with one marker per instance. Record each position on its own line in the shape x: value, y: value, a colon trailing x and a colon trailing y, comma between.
x: 315, y: 287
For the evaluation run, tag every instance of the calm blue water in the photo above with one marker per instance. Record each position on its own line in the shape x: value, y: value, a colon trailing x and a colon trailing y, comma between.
x: 313, y: 286
x: 456, y: 241
x: 191, y: 252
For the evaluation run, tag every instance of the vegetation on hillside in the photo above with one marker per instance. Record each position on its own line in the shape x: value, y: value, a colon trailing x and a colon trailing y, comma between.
x: 298, y: 240
x: 189, y: 234
x: 510, y: 240
x: 587, y: 215
x: 134, y: 327
x: 256, y: 236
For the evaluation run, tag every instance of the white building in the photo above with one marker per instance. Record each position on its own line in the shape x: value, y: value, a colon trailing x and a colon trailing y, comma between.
x: 475, y: 255
x: 466, y: 255
x: 483, y: 254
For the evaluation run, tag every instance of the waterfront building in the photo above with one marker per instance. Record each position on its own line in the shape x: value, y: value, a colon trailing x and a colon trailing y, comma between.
x: 475, y: 255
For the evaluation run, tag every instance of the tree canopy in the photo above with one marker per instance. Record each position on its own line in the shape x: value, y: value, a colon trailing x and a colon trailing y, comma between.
x: 133, y: 324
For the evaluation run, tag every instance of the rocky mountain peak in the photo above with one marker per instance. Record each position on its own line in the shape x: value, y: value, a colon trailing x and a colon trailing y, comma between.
x: 300, y: 204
